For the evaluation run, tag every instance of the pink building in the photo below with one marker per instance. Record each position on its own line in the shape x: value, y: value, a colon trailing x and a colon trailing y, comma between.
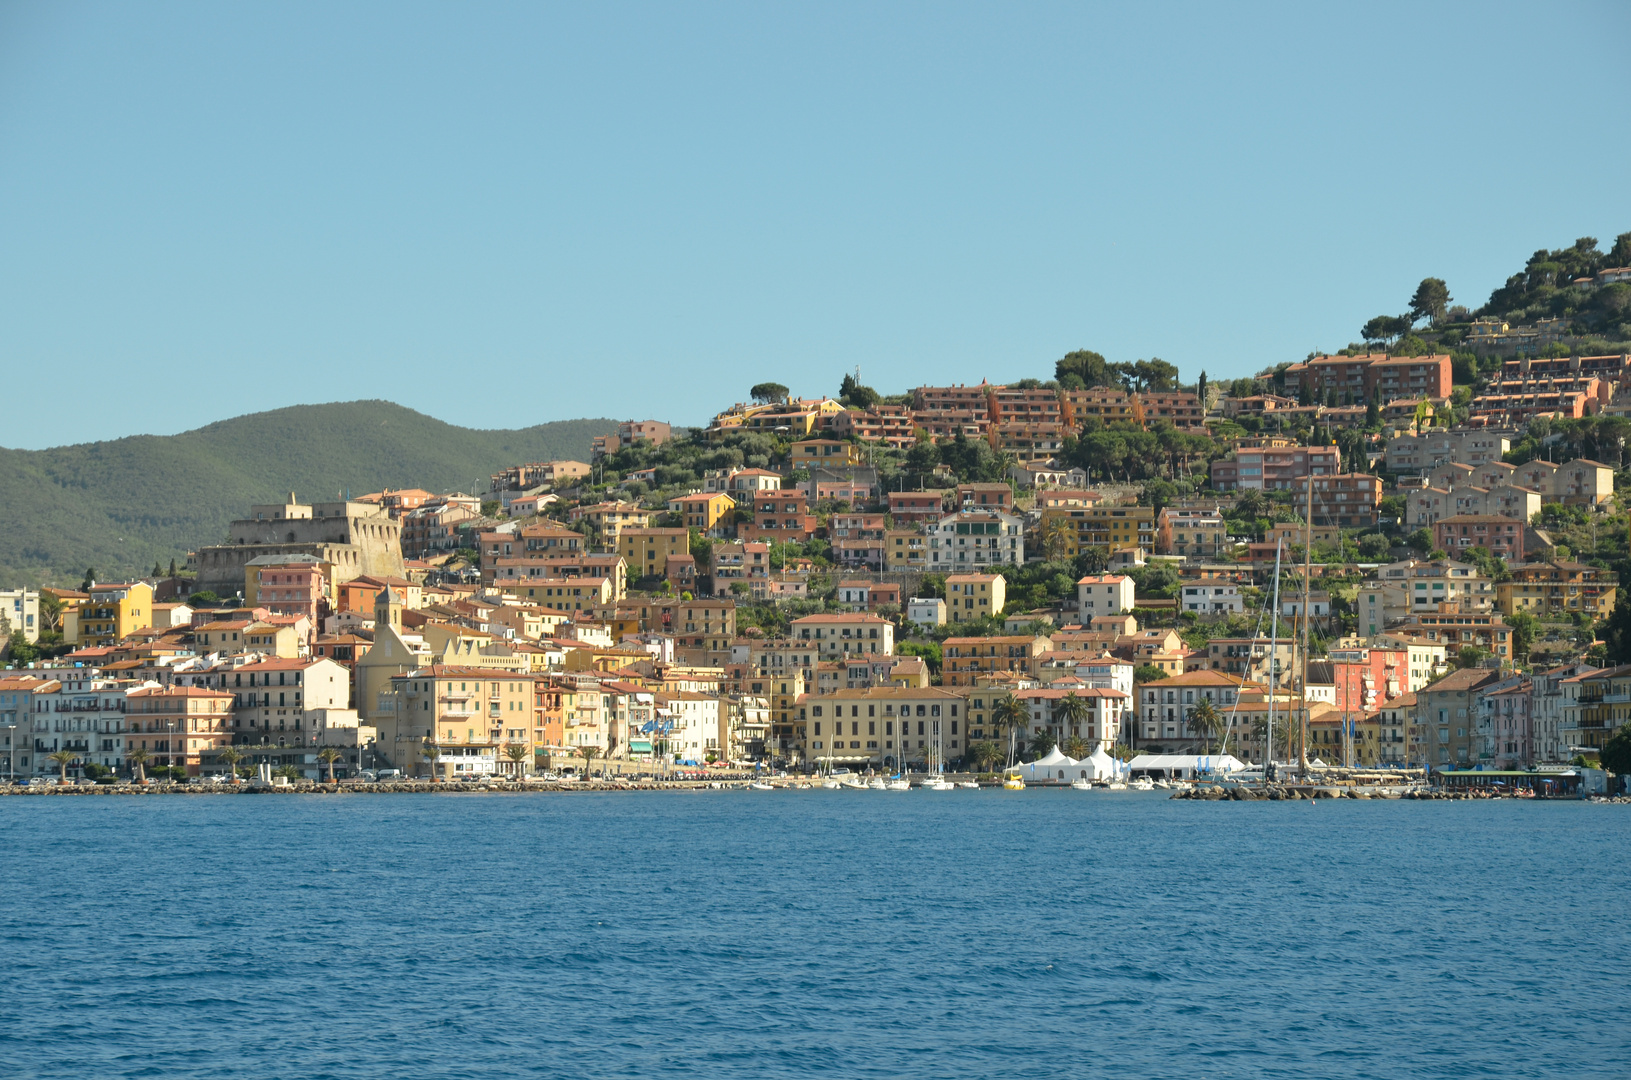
x: 917, y: 507
x: 291, y: 585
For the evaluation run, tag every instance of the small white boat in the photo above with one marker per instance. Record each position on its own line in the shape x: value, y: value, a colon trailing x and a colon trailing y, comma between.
x: 759, y: 786
x: 1163, y: 785
x: 898, y: 785
x: 970, y: 785
x: 1116, y: 785
x: 852, y: 782
x: 1143, y: 783
x: 937, y: 783
x: 1082, y: 784
x: 1013, y: 783
x: 831, y: 785
x: 877, y: 784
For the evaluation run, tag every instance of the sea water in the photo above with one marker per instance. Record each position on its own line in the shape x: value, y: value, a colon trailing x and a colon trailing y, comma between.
x: 794, y: 934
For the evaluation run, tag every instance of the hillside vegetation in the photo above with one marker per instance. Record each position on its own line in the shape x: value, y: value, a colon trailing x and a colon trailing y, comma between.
x: 124, y: 505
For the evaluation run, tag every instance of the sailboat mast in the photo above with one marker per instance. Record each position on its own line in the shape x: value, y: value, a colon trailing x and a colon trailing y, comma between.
x: 1274, y: 652
x: 1308, y: 559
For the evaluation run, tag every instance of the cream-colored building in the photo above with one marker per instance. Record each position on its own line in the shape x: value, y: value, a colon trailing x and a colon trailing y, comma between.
x: 465, y: 718
x: 20, y: 612
x: 882, y: 725
x: 850, y: 633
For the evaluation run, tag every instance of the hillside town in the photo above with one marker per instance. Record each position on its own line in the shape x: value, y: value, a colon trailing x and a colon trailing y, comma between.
x: 1358, y: 560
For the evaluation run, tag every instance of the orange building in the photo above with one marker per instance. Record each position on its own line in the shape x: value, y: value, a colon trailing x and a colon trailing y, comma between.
x: 177, y: 724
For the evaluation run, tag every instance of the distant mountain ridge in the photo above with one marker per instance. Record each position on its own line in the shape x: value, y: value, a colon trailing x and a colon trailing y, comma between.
x: 123, y: 505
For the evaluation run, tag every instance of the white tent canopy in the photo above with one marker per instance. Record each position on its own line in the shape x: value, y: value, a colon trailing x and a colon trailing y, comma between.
x: 1061, y: 769
x: 1187, y: 766
x: 1104, y: 766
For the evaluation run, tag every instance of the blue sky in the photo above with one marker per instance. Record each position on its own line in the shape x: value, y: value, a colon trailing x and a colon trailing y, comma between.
x: 502, y: 215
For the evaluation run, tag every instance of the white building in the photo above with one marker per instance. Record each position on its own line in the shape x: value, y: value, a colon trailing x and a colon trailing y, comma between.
x: 1211, y: 598
x: 1107, y: 673
x: 926, y: 610
x: 701, y: 727
x: 857, y: 595
x: 1103, y: 594
x: 85, y: 716
x: 1101, y: 726
x: 969, y: 539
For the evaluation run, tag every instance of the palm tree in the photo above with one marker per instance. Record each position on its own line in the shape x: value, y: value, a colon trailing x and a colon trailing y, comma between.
x: 1042, y: 743
x: 139, y: 758
x: 231, y: 755
x: 1205, y: 722
x: 1251, y: 503
x: 62, y: 759
x: 1076, y: 747
x: 517, y: 754
x: 430, y: 752
x: 328, y: 755
x: 1014, y: 715
x: 1057, y: 535
x: 1285, y: 731
x: 983, y: 754
x: 1070, y: 712
x: 587, y: 753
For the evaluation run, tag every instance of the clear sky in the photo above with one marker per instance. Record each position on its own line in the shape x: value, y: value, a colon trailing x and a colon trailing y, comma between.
x: 506, y: 214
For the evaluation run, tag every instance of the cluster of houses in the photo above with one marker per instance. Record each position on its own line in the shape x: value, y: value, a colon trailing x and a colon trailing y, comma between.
x: 607, y: 627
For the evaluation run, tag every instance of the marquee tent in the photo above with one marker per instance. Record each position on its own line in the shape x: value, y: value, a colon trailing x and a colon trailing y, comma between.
x: 1185, y: 766
x: 1060, y: 769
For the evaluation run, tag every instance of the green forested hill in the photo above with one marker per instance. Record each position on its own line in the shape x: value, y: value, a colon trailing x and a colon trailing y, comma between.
x: 122, y: 506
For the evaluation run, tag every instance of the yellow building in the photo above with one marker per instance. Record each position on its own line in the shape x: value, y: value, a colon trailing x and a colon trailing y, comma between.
x: 787, y: 735
x: 602, y: 658
x: 281, y: 640
x: 796, y: 418
x: 1558, y: 588
x: 826, y: 452
x: 704, y: 509
x: 970, y: 596
x: 467, y: 716
x: 611, y: 518
x: 113, y: 611
x: 1107, y: 528
x: 905, y: 549
x: 647, y: 551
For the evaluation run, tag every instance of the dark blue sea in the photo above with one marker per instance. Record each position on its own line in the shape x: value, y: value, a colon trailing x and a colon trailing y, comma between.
x: 798, y: 934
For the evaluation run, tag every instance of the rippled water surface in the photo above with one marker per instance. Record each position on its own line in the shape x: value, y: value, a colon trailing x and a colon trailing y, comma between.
x: 783, y: 934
